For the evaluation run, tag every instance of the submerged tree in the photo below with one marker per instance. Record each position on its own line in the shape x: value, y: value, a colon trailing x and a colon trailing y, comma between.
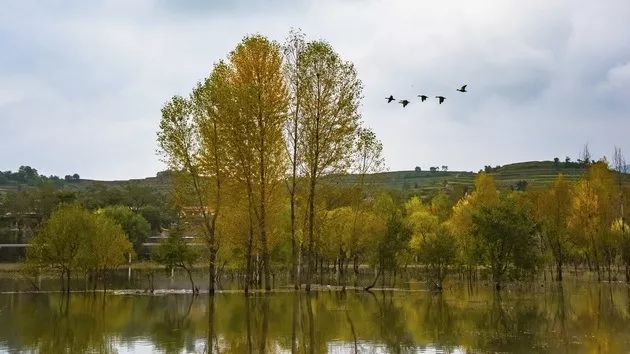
x: 506, y: 232
x: 554, y: 207
x: 58, y: 244
x: 438, y: 251
x: 106, y: 248
x: 174, y: 252
x: 470, y: 251
x: 180, y: 144
x: 593, y: 211
x: 74, y: 239
x: 293, y: 52
x: 257, y: 129
x: 330, y: 94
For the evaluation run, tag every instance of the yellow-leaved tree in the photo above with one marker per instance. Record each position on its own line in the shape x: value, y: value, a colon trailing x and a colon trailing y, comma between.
x: 256, y: 131
x: 330, y: 93
x: 593, y: 211
x: 460, y: 223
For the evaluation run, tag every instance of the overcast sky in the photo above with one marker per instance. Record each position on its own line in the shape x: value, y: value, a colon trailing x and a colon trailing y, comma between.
x: 82, y: 82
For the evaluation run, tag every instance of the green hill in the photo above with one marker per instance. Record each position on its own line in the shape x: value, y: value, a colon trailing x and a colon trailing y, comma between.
x: 534, y: 173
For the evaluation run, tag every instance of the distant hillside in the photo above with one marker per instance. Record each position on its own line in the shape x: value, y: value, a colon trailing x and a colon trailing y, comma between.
x: 534, y: 173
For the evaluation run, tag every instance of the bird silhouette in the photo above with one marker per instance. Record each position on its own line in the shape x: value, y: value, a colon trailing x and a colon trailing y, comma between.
x: 390, y: 98
x: 462, y: 89
x: 404, y: 103
x: 440, y: 98
x: 422, y: 98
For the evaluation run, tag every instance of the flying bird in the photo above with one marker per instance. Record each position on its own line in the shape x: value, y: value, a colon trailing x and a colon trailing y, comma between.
x: 390, y: 98
x: 440, y: 98
x: 404, y: 103
x: 422, y: 98
x: 462, y: 89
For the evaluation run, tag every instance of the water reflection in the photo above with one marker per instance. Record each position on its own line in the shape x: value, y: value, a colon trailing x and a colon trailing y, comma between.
x: 569, y: 319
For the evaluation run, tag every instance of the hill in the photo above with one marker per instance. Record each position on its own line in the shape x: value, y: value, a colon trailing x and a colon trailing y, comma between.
x: 533, y: 173
x: 516, y: 175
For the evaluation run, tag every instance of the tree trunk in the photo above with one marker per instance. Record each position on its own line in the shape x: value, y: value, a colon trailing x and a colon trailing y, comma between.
x: 212, y: 274
x: 294, y: 251
x: 378, y: 273
x: 559, y: 271
x: 311, y: 229
x: 190, y: 278
x: 250, y: 240
x: 68, y: 281
x: 263, y: 212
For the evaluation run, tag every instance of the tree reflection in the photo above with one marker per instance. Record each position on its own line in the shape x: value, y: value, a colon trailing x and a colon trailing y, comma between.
x: 567, y: 319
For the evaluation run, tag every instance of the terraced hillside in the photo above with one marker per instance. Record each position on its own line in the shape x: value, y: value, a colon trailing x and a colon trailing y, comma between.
x: 535, y: 173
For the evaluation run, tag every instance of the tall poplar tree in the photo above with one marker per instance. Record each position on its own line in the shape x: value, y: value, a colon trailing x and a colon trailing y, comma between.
x: 261, y: 102
x: 330, y: 94
x: 293, y: 53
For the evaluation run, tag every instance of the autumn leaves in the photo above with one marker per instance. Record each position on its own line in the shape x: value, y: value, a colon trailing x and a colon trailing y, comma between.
x: 267, y: 118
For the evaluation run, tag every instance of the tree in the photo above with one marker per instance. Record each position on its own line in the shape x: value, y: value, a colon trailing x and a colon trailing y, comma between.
x: 521, y: 185
x: 155, y: 216
x: 174, y: 252
x: 134, y: 225
x: 180, y: 145
x: 74, y: 239
x: 262, y: 100
x: 585, y: 155
x: 419, y: 218
x: 213, y: 108
x: 620, y: 227
x: 594, y: 208
x: 139, y: 195
x: 106, y: 248
x: 58, y: 244
x: 620, y: 232
x: 433, y: 243
x: 438, y: 250
x: 461, y: 222
x: 507, y: 235
x: 330, y: 93
x: 293, y: 52
x: 554, y: 207
x: 441, y: 206
x: 418, y: 169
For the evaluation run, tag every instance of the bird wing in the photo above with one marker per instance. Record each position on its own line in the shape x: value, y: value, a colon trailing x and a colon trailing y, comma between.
x: 464, y: 87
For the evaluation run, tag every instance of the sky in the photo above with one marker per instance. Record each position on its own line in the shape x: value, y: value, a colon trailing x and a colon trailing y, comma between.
x: 82, y: 82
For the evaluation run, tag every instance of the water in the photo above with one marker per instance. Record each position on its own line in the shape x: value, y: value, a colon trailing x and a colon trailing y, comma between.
x: 580, y: 317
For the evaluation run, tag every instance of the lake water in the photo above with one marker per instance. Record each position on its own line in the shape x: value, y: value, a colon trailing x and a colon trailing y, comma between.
x: 580, y: 317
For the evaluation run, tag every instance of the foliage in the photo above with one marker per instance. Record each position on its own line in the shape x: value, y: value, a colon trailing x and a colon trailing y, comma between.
x: 506, y: 232
x: 173, y: 252
x: 133, y: 224
x: 75, y: 239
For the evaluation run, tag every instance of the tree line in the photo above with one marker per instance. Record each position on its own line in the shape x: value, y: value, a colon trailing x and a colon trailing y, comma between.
x: 268, y: 118
x: 272, y: 120
x: 254, y: 151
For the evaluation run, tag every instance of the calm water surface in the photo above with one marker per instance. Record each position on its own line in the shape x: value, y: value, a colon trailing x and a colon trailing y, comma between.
x: 580, y: 317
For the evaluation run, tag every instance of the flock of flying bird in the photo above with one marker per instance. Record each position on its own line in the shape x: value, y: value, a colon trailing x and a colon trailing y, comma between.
x: 423, y: 97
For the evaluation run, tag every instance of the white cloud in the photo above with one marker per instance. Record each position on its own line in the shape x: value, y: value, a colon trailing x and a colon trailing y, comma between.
x: 81, y: 86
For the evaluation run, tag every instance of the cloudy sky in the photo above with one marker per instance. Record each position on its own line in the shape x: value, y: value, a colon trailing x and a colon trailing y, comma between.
x: 82, y: 82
